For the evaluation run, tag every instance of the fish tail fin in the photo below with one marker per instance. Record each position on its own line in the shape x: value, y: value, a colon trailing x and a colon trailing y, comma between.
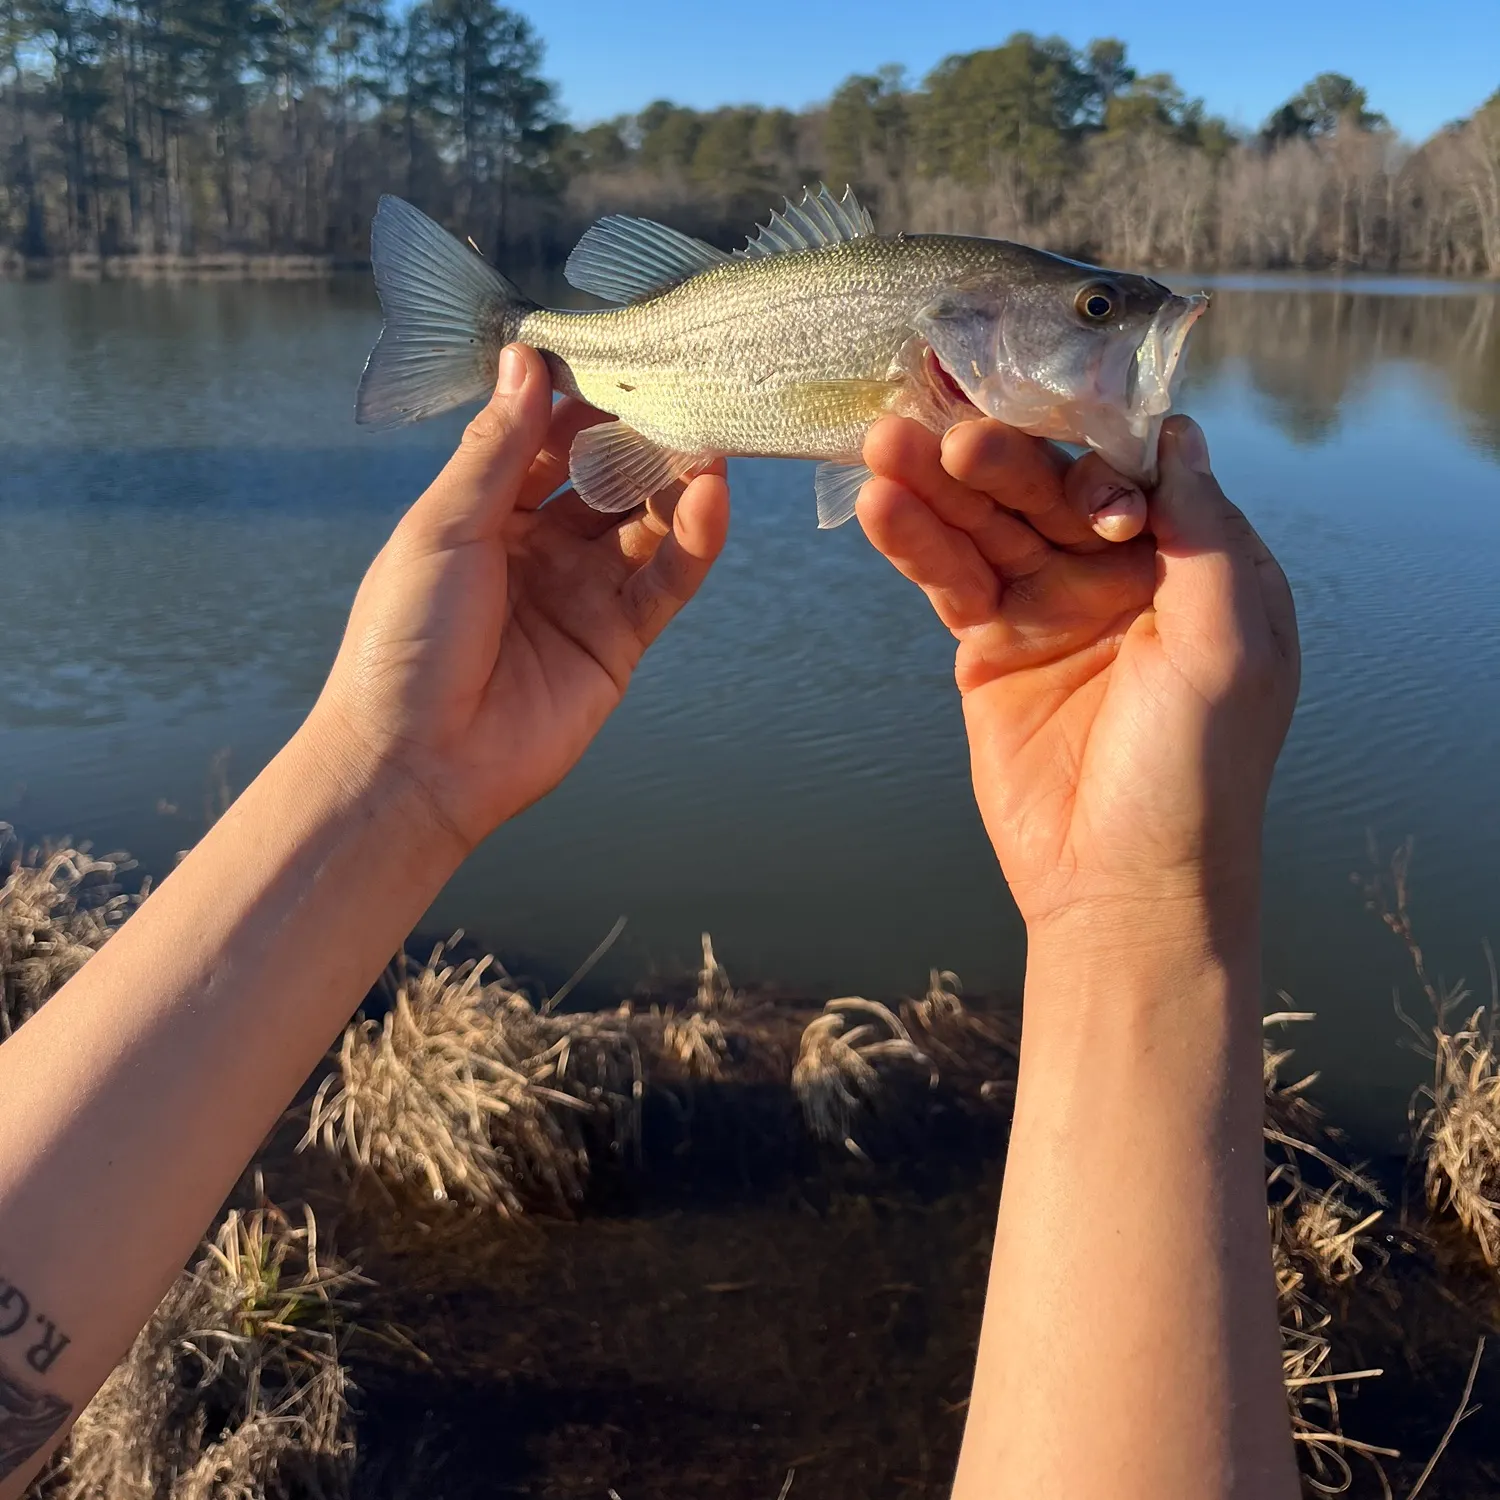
x: 448, y: 313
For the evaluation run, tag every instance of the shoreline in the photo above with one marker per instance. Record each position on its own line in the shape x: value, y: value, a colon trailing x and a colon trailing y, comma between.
x: 217, y: 266
x: 266, y: 265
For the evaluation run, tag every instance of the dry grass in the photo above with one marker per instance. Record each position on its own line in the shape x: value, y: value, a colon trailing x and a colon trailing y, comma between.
x: 1455, y: 1117
x: 58, y: 906
x: 1319, y: 1242
x: 696, y: 1042
x: 715, y: 993
x: 835, y: 1077
x: 464, y: 1092
x: 234, y: 1390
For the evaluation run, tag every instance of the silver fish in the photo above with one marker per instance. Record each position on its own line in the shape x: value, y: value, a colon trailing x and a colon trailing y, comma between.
x: 792, y: 347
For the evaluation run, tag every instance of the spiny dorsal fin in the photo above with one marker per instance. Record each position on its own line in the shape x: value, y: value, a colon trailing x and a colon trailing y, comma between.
x: 820, y: 219
x: 624, y: 259
x: 614, y: 468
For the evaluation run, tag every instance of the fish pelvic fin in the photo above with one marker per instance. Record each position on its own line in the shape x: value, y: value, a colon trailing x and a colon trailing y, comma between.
x: 623, y: 259
x: 448, y: 313
x: 819, y: 219
x: 838, y: 487
x: 614, y: 468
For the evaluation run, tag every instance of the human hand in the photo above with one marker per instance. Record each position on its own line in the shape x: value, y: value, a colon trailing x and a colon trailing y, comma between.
x: 1125, y: 701
x: 493, y: 634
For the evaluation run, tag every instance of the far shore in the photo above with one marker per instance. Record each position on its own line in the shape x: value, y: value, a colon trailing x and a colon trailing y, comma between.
x: 267, y: 266
x: 219, y: 266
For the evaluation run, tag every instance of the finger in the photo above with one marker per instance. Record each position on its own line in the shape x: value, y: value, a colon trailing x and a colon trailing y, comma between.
x: 570, y: 511
x: 1082, y: 506
x: 913, y: 456
x: 479, y: 486
x: 1112, y: 507
x: 1189, y: 512
x: 1192, y: 517
x: 1018, y: 471
x: 641, y: 530
x: 671, y: 575
x: 941, y: 560
x: 549, y: 469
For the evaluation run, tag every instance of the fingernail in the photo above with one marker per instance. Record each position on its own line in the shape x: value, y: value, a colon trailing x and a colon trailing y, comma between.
x: 1192, y: 447
x: 1114, y: 497
x: 511, y: 375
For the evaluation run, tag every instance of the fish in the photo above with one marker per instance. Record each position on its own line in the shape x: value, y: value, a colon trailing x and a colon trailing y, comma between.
x: 792, y: 346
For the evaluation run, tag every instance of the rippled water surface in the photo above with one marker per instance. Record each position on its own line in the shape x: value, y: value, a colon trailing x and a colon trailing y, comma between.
x: 186, y: 507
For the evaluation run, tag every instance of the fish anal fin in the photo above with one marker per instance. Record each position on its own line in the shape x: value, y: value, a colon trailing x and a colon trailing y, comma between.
x: 624, y: 259
x: 614, y: 468
x: 838, y: 486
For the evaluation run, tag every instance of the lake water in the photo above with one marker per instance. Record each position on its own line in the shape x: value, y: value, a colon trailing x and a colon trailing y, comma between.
x: 186, y: 508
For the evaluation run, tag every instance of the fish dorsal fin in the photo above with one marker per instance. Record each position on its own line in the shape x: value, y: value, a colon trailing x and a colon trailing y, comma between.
x: 820, y: 219
x: 614, y: 468
x: 624, y: 259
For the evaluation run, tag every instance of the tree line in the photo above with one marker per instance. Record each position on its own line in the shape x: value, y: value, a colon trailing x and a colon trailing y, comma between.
x: 191, y: 126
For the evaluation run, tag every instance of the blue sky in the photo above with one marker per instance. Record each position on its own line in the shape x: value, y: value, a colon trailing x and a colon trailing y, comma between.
x: 1423, y: 64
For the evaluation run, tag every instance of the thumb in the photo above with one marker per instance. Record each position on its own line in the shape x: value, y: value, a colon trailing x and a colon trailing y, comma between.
x: 1189, y: 513
x: 1212, y: 558
x: 478, y: 487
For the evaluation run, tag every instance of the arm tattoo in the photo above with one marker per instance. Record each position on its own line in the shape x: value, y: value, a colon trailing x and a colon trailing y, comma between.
x: 28, y: 1416
x: 28, y: 1420
x: 40, y: 1336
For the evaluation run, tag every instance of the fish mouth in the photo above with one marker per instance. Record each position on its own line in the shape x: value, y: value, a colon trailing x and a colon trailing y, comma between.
x: 1153, y: 372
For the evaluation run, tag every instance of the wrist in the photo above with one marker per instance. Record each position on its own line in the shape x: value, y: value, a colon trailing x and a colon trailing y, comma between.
x: 1163, y: 975
x: 356, y: 782
x: 1188, y: 921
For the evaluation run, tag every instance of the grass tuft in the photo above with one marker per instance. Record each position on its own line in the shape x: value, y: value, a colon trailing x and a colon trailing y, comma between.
x: 464, y: 1092
x: 58, y: 906
x: 1320, y: 1241
x: 234, y: 1390
x: 835, y: 1077
x: 1456, y: 1116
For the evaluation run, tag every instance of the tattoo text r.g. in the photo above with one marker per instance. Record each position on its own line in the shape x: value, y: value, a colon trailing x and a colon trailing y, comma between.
x: 39, y: 1335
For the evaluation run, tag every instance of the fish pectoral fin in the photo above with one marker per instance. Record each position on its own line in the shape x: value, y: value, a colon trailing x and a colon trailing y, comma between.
x: 830, y: 402
x: 838, y: 487
x: 820, y: 219
x: 624, y: 259
x: 614, y: 468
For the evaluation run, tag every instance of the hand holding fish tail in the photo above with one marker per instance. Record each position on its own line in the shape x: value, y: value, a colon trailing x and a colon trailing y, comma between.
x: 498, y: 628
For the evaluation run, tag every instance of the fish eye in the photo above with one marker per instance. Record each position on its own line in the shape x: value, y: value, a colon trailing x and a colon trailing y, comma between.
x: 1096, y: 303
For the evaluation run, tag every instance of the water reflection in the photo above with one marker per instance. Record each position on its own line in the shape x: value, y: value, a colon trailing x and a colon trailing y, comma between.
x: 1310, y: 353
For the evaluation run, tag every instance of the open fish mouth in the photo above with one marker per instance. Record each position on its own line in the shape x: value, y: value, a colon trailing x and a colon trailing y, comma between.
x: 1154, y: 370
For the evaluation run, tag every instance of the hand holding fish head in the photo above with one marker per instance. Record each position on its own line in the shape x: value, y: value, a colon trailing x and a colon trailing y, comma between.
x: 1125, y: 702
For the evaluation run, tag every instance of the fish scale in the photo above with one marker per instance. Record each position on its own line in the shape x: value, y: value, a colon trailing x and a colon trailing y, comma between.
x: 792, y: 347
x: 707, y: 365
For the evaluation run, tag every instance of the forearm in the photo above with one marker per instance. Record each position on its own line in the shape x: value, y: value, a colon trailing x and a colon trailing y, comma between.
x: 134, y: 1099
x: 1130, y: 1345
